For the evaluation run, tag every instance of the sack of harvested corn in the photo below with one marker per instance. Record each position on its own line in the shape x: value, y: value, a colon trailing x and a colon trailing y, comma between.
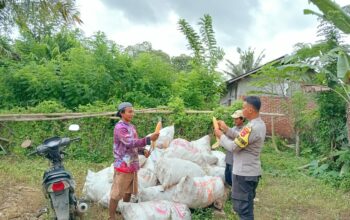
x: 98, y: 184
x: 216, y: 171
x: 199, y: 192
x: 221, y: 158
x: 146, y: 178
x: 169, y: 171
x: 154, y: 210
x: 156, y: 193
x: 183, y: 149
x: 202, y: 144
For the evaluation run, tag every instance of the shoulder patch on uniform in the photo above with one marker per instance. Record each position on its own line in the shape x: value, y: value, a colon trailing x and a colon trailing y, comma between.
x: 243, y: 138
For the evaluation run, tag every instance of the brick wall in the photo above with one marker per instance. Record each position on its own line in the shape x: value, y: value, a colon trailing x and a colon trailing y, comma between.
x: 282, y: 124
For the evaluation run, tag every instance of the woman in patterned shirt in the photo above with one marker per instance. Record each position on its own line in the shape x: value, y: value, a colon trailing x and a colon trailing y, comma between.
x: 127, y: 146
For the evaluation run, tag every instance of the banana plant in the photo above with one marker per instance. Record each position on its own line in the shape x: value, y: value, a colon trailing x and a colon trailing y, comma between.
x: 340, y: 18
x: 332, y: 12
x: 343, y: 66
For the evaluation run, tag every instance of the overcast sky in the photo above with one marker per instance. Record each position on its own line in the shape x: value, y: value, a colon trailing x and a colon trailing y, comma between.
x: 271, y: 25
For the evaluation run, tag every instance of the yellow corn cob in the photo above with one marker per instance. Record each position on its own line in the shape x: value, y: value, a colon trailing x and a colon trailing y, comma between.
x: 158, y: 127
x: 157, y: 130
x: 216, y: 126
x: 215, y: 123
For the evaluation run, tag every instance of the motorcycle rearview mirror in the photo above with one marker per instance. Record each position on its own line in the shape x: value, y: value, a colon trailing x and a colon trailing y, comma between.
x: 74, y: 127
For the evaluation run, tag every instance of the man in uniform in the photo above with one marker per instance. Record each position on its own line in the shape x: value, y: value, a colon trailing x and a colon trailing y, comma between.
x: 229, y: 132
x: 246, y: 148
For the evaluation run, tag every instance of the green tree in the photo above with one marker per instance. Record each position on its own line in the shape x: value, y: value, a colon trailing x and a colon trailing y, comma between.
x: 149, y: 81
x: 83, y: 80
x: 33, y: 83
x: 247, y: 61
x: 39, y: 18
x: 198, y: 89
x: 136, y: 49
x: 49, y: 47
x: 205, y: 50
x: 202, y: 87
x: 280, y: 78
x: 182, y: 63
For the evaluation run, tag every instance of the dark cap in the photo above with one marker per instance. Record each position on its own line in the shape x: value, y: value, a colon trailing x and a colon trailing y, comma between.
x: 122, y: 106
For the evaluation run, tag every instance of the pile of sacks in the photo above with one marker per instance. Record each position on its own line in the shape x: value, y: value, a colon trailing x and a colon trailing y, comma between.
x: 177, y: 176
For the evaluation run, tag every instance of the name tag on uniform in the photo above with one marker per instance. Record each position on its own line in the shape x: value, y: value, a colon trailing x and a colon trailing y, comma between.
x: 243, y: 138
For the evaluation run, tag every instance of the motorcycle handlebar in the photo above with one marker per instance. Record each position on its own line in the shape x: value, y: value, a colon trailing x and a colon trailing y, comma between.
x: 64, y: 143
x: 75, y: 139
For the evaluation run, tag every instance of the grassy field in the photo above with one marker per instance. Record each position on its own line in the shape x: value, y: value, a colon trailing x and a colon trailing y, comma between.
x: 283, y: 192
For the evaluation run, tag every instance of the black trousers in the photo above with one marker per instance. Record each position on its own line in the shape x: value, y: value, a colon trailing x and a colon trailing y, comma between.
x: 243, y: 194
x: 228, y: 174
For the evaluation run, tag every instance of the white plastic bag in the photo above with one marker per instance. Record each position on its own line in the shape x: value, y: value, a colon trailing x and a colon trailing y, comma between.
x: 142, y: 160
x: 166, y: 135
x: 210, y: 158
x: 149, y: 164
x: 169, y: 171
x: 199, y: 192
x: 217, y: 171
x: 105, y: 199
x: 98, y: 184
x: 154, y: 210
x: 156, y: 193
x: 182, y: 149
x: 151, y: 161
x: 146, y: 178
x: 221, y: 158
x: 202, y: 144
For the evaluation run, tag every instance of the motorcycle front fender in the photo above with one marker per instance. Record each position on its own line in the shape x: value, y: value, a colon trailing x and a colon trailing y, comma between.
x: 60, y: 204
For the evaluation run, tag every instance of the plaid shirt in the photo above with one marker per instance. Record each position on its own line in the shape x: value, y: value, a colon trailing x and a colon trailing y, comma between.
x: 126, y: 147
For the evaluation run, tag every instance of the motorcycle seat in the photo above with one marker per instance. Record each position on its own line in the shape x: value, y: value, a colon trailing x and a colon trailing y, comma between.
x: 56, y: 174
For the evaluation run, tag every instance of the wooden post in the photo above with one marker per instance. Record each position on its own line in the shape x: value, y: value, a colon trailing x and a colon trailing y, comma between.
x: 273, y: 134
x: 297, y: 143
x: 348, y: 121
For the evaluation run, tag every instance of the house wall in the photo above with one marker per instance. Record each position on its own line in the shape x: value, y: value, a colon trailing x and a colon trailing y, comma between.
x: 231, y: 95
x: 283, y: 89
x: 244, y: 87
x: 271, y: 104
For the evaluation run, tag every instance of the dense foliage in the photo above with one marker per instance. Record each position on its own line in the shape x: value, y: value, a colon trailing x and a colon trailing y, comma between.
x: 52, y: 67
x: 75, y: 70
x: 97, y: 133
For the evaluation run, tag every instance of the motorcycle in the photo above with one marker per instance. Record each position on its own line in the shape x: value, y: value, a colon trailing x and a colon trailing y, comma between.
x: 58, y: 184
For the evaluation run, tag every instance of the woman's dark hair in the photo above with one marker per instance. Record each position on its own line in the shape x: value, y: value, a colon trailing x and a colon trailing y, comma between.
x: 119, y: 113
x: 253, y: 101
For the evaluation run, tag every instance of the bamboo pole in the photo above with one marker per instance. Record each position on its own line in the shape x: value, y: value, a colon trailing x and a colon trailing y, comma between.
x: 48, y: 118
x: 77, y: 115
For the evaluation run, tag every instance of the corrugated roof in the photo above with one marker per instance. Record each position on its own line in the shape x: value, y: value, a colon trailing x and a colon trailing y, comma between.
x: 252, y: 71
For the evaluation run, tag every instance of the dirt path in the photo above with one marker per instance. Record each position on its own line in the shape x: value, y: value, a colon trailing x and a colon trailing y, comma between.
x: 19, y: 201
